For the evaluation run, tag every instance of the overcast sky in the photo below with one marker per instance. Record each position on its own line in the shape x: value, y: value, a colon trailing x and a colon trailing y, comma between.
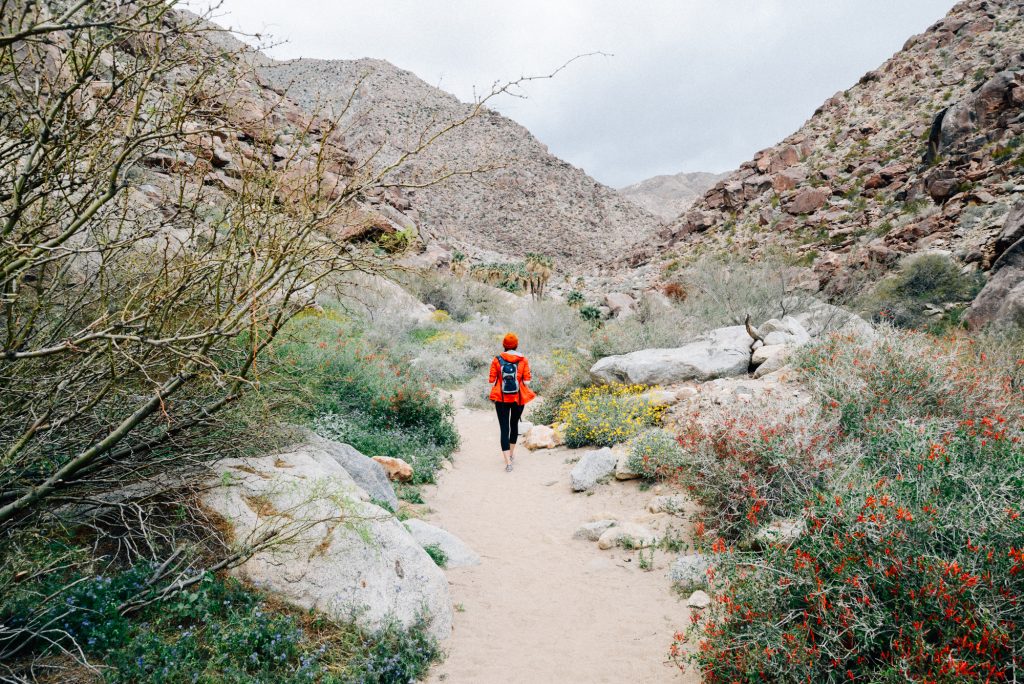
x: 693, y: 85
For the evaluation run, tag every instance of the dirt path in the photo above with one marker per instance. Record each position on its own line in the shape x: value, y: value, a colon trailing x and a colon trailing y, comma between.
x: 543, y: 607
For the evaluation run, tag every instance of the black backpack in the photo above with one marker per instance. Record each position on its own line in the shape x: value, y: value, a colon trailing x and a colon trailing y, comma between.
x: 509, y: 376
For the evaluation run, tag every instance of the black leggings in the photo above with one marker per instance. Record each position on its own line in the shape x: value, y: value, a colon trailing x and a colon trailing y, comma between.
x: 508, y: 420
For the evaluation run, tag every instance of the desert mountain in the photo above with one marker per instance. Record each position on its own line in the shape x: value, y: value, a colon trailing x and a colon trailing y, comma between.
x: 924, y: 153
x: 527, y: 200
x: 668, y: 196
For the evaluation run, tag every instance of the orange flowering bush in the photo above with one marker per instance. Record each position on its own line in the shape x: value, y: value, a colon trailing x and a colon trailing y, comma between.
x: 913, y: 571
x: 910, y: 562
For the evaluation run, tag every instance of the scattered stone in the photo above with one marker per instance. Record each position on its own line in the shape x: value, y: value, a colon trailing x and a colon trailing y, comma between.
x: 699, y: 600
x: 673, y: 503
x: 458, y: 553
x: 622, y: 469
x: 784, y: 532
x: 540, y: 437
x: 629, y: 535
x: 592, y: 531
x: 690, y: 572
x: 397, y: 469
x: 591, y: 467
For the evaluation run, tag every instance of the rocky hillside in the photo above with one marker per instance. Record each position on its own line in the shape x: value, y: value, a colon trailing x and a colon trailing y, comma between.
x: 924, y: 153
x: 531, y: 201
x: 668, y: 196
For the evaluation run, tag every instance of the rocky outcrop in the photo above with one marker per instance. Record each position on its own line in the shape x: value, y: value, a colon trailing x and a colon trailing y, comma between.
x: 591, y: 467
x: 334, y: 551
x: 1001, y: 301
x: 457, y: 552
x: 721, y: 353
x: 539, y: 203
x: 922, y: 153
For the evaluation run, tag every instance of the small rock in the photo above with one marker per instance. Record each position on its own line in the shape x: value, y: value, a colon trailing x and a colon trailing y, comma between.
x: 592, y: 531
x: 627, y: 534
x: 622, y: 469
x: 674, y: 503
x: 540, y: 437
x: 698, y: 600
x: 592, y: 467
x: 784, y: 532
x: 690, y: 572
x: 396, y: 468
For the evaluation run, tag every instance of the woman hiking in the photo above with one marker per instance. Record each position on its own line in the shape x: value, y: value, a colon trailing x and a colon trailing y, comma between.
x: 510, y: 371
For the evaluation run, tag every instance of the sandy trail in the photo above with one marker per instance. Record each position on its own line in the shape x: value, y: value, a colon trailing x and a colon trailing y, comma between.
x: 543, y: 607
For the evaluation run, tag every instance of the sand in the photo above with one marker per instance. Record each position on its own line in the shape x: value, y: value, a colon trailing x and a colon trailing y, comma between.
x: 542, y: 606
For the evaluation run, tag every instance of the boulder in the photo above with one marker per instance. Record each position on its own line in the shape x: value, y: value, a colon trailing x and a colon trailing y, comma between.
x: 396, y: 468
x: 367, y: 473
x: 724, y: 352
x: 592, y: 467
x: 784, y: 532
x: 821, y: 319
x: 699, y: 600
x: 540, y: 437
x: 1012, y: 231
x: 808, y: 201
x: 980, y: 110
x: 630, y: 535
x: 335, y: 551
x: 788, y: 330
x: 620, y: 304
x: 457, y: 551
x: 622, y: 469
x: 1001, y: 301
x: 592, y: 531
x: 771, y: 358
x: 690, y: 572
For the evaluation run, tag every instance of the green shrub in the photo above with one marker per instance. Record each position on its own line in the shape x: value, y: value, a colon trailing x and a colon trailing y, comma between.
x: 604, y: 415
x: 655, y: 454
x: 927, y: 279
x: 218, y: 632
x: 352, y: 393
x: 437, y: 554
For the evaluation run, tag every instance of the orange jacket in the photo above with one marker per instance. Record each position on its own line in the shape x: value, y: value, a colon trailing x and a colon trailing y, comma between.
x: 526, y: 395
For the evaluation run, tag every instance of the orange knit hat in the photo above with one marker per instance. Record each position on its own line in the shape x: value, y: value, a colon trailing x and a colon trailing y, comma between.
x: 510, y: 341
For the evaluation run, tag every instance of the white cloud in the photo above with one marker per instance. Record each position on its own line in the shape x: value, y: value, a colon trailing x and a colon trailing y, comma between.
x: 693, y: 84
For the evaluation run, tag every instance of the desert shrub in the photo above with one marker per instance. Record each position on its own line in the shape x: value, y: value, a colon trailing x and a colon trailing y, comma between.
x: 721, y: 291
x: 604, y: 415
x: 217, y: 632
x: 655, y: 454
x: 351, y: 392
x: 655, y: 325
x: 910, y: 570
x: 436, y: 554
x: 675, y: 292
x: 902, y: 375
x: 747, y: 466
x: 460, y: 298
x: 926, y: 279
x: 561, y: 374
x: 575, y: 299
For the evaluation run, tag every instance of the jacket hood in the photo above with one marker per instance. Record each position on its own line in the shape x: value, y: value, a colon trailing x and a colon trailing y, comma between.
x: 512, y: 355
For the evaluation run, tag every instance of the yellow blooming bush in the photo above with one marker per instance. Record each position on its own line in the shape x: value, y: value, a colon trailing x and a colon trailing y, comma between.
x: 604, y: 415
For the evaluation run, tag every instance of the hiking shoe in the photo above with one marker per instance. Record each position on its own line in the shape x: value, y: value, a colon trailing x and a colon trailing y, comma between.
x: 508, y: 468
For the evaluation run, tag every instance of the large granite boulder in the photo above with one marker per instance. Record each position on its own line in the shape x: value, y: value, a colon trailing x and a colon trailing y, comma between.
x: 456, y: 551
x: 331, y: 549
x: 366, y: 472
x: 593, y: 466
x: 724, y: 352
